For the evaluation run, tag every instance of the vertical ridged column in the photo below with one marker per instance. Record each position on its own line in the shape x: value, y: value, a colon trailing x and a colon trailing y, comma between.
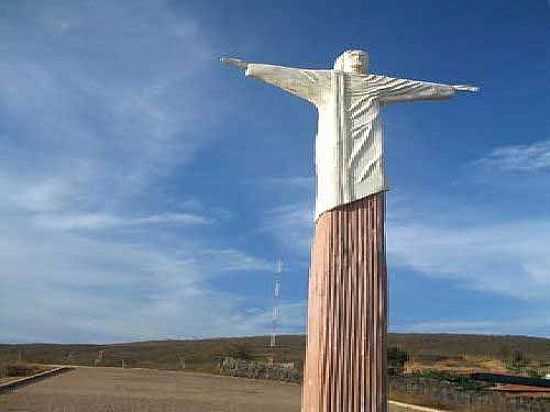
x: 345, y: 367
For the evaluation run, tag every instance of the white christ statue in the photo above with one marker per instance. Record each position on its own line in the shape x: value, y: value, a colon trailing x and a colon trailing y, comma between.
x: 347, y: 301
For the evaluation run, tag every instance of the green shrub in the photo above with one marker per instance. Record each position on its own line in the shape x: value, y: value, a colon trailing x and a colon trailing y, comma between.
x: 240, y: 352
x: 519, y: 360
x: 397, y: 358
x: 534, y: 373
x: 462, y: 382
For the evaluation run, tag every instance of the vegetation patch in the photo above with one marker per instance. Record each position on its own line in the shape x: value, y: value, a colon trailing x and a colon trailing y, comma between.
x: 462, y: 382
x: 12, y: 371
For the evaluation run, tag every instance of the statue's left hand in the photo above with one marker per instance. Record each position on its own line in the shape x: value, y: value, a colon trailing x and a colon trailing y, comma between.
x: 465, y: 88
x: 230, y: 61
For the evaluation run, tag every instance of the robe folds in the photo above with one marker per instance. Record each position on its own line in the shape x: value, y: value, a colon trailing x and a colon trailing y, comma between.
x: 345, y: 368
x: 349, y: 155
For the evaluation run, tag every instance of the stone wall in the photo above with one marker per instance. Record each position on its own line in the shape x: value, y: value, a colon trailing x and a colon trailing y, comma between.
x: 440, y: 391
x: 259, y: 370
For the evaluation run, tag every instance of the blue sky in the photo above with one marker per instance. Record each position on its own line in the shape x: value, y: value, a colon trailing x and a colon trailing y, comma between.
x: 146, y: 191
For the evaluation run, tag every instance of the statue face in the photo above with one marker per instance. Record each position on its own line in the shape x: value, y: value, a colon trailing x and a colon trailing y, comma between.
x: 353, y: 61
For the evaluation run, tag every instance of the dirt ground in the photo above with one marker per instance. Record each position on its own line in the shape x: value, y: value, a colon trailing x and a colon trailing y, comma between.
x: 142, y: 390
x: 465, y: 364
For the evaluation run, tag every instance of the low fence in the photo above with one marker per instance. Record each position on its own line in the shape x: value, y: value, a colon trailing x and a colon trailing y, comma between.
x: 448, y: 394
x: 258, y: 370
x: 17, y: 383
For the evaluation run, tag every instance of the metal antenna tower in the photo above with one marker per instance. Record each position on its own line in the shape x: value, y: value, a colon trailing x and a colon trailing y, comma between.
x: 275, y: 317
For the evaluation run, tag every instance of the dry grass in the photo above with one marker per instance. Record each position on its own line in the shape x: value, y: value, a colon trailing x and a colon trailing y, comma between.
x: 460, y: 365
x: 481, y: 352
x: 13, y: 371
x: 427, y: 401
x: 484, y: 408
x: 23, y: 369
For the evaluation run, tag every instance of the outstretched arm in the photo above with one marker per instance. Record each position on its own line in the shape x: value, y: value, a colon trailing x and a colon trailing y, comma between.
x: 399, y: 90
x: 304, y: 83
x: 230, y: 61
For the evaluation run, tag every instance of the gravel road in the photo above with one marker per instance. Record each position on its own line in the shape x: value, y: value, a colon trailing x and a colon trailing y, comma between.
x: 143, y: 390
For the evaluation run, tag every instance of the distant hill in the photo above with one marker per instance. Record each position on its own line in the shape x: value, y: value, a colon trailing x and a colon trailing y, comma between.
x: 492, y: 346
x: 202, y: 355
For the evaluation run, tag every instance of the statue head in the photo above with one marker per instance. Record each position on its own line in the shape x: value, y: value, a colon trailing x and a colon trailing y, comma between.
x: 353, y: 61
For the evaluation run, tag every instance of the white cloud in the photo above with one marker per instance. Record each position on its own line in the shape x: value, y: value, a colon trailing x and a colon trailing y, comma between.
x: 77, y: 289
x: 114, y: 105
x: 100, y: 221
x: 46, y: 195
x: 235, y: 260
x: 292, y: 227
x: 519, y: 158
x: 511, y: 259
x: 292, y: 319
x: 31, y: 192
x: 296, y: 182
x: 99, y: 103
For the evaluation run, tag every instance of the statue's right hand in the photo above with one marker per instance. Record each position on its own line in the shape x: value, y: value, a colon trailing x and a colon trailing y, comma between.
x: 230, y: 61
x: 465, y: 88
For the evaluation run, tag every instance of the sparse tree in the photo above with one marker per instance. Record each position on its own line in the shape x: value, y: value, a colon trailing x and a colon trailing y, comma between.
x: 240, y: 351
x: 504, y: 352
x: 397, y: 358
x: 517, y: 361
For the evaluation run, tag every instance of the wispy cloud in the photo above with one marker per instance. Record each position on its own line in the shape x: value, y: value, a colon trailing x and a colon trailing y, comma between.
x: 511, y: 259
x: 292, y: 318
x: 234, y: 260
x: 292, y: 227
x: 46, y: 195
x: 294, y: 182
x: 102, y: 110
x: 99, y: 221
x: 90, y: 289
x: 95, y: 114
x: 519, y: 158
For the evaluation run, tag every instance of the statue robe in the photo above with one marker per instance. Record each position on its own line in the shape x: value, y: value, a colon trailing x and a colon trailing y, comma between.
x: 349, y: 155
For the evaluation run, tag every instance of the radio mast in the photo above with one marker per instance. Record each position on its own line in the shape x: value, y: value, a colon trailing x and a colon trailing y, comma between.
x: 276, y: 290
